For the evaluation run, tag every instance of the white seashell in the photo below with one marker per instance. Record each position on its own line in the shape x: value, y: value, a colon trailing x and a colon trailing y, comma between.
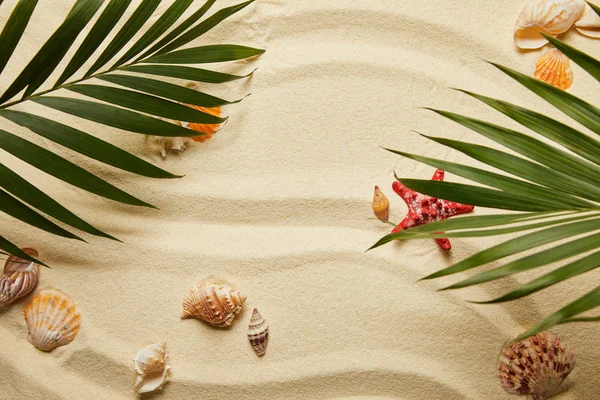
x: 536, y: 366
x: 171, y: 143
x: 20, y: 277
x: 554, y: 68
x: 152, y: 368
x: 214, y: 301
x: 258, y: 333
x: 52, y: 320
x: 589, y: 23
x: 551, y: 17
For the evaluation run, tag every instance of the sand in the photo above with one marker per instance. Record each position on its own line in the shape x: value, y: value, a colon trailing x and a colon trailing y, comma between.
x: 278, y: 202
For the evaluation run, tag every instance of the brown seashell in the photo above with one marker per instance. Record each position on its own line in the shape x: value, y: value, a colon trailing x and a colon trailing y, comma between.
x: 52, y: 319
x: 381, y: 205
x: 536, y: 366
x: 214, y: 301
x: 152, y: 368
x: 20, y: 277
x: 258, y: 333
x: 554, y: 68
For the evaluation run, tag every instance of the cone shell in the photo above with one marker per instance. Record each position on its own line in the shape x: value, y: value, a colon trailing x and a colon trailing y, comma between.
x: 52, y: 319
x: 535, y: 366
x: 213, y: 300
x: 589, y: 23
x: 152, y: 368
x: 554, y: 68
x: 381, y: 205
x: 258, y: 333
x: 551, y: 17
x: 20, y: 277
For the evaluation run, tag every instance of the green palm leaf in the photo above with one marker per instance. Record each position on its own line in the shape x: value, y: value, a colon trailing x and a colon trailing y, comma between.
x: 555, y: 184
x: 137, y: 105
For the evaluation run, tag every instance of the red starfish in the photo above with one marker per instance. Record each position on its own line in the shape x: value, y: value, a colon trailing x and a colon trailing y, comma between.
x: 423, y: 209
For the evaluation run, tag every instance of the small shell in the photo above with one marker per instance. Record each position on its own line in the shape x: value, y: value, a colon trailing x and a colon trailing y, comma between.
x: 152, y: 368
x: 20, y: 277
x: 381, y: 205
x: 258, y: 333
x: 206, y: 129
x: 551, y: 17
x: 214, y: 301
x: 535, y: 366
x: 554, y: 68
x: 171, y: 143
x: 589, y: 23
x: 52, y: 319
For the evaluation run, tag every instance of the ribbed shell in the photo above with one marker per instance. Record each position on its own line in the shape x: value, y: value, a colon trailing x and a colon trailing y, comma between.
x: 206, y: 129
x: 52, y: 319
x: 535, y: 366
x: 589, y: 23
x: 258, y: 333
x: 20, y: 277
x: 555, y: 68
x: 551, y: 17
x: 214, y: 301
x: 152, y: 367
x: 381, y: 205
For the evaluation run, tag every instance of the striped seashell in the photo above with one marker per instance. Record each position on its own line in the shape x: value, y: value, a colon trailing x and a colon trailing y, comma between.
x: 213, y: 300
x: 152, y: 368
x: 536, y: 366
x: 551, y: 17
x: 258, y: 333
x: 381, y: 205
x: 52, y: 319
x: 20, y: 277
x: 554, y: 68
x: 589, y: 23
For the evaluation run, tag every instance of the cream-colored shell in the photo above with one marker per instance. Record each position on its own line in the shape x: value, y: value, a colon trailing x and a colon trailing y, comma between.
x: 589, y: 23
x: 536, y: 366
x: 554, y: 68
x: 551, y: 17
x: 213, y: 300
x: 152, y: 367
x: 20, y: 277
x: 52, y: 319
x: 258, y: 333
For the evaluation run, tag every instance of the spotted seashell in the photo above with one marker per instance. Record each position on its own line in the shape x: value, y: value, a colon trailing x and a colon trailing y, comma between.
x: 589, y: 23
x: 20, y: 277
x: 554, y: 68
x: 152, y: 368
x: 52, y: 319
x: 551, y: 17
x: 214, y: 301
x: 258, y: 333
x: 536, y: 366
x: 381, y: 205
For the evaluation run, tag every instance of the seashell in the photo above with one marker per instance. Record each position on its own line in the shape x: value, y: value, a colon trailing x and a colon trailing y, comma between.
x: 213, y: 300
x: 52, y: 319
x: 589, y: 23
x: 381, y: 205
x: 258, y: 333
x: 20, y: 277
x: 152, y: 368
x: 554, y: 68
x: 536, y: 366
x: 171, y: 143
x: 551, y: 17
x: 206, y: 129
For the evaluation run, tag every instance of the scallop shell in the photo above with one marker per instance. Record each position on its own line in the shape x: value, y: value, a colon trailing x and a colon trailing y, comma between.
x: 381, y: 205
x: 206, y: 129
x: 589, y: 23
x: 20, y: 277
x: 551, y: 17
x: 554, y: 68
x: 214, y: 301
x: 152, y: 368
x: 536, y: 366
x: 52, y: 319
x: 258, y: 333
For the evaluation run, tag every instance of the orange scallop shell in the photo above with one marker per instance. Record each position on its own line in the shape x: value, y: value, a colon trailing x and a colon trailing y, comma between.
x: 554, y: 68
x: 206, y: 129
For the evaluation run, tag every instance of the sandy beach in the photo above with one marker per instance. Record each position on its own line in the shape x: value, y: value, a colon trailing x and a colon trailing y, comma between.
x: 278, y: 202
